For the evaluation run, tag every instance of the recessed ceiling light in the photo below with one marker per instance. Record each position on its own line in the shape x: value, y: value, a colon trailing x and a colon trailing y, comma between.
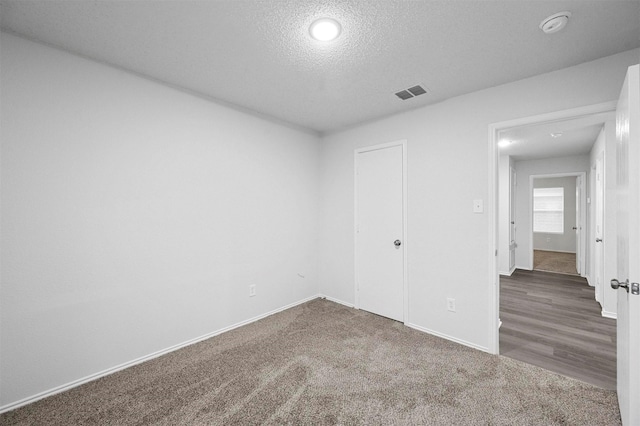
x: 325, y: 29
x: 554, y: 23
x: 556, y: 134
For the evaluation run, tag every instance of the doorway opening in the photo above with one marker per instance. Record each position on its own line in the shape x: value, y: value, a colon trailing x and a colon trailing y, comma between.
x: 518, y: 295
x: 558, y: 223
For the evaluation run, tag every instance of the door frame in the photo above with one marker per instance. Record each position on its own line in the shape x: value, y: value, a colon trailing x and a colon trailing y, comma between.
x: 405, y: 289
x: 492, y: 253
x: 598, y: 207
x: 583, y: 214
x: 513, y: 227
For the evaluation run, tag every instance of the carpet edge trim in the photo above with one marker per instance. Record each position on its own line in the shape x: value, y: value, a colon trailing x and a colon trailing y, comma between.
x: 75, y: 383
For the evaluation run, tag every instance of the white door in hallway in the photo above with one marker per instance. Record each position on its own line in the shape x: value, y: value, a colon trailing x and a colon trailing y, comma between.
x: 579, y: 225
x: 379, y: 239
x: 599, y: 233
x: 628, y: 245
x: 512, y: 219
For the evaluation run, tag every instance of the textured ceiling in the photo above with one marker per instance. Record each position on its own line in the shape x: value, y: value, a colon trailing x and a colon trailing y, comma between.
x: 258, y: 56
x: 535, y: 141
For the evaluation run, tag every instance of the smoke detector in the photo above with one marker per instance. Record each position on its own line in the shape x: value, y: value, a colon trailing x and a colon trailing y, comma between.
x: 555, y: 22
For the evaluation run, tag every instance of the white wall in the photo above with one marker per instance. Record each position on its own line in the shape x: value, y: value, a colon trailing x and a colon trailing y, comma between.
x: 565, y: 242
x: 606, y: 143
x: 525, y: 169
x: 135, y: 216
x: 447, y: 244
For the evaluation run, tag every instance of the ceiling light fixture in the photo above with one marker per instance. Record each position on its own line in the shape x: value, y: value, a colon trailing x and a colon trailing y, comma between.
x: 504, y: 143
x: 555, y: 22
x: 556, y: 134
x: 325, y: 29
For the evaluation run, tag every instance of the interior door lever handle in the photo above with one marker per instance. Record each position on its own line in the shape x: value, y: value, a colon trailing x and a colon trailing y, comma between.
x: 598, y: 240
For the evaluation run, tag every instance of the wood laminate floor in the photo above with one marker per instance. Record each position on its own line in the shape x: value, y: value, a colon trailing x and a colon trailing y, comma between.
x: 553, y: 321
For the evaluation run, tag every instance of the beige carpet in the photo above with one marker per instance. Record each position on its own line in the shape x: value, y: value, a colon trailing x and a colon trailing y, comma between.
x: 321, y: 363
x: 553, y: 261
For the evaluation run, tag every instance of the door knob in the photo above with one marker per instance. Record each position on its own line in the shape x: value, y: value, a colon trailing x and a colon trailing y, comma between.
x: 598, y: 240
x: 397, y: 243
x: 615, y: 284
x: 575, y: 228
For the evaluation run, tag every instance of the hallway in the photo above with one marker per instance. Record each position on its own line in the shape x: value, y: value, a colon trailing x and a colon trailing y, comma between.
x: 553, y: 321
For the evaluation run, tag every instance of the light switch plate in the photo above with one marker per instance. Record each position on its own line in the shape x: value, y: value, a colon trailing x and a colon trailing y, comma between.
x: 478, y: 206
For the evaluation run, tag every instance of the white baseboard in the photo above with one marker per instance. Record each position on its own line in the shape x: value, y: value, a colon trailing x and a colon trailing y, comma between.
x: 91, y: 377
x: 612, y: 315
x: 588, y: 278
x: 508, y: 274
x: 331, y: 299
x: 525, y: 268
x: 445, y: 336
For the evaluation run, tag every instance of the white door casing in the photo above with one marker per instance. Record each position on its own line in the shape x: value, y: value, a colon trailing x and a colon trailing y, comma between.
x: 380, y: 230
x: 628, y: 245
x: 578, y: 229
x: 512, y: 218
x: 493, y: 137
x: 599, y: 230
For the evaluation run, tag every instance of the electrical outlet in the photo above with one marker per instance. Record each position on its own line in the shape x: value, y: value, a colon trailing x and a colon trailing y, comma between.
x: 451, y: 304
x: 252, y: 290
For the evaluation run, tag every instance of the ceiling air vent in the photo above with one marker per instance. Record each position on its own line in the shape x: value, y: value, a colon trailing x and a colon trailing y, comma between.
x: 411, y: 92
x: 404, y: 95
x: 417, y: 90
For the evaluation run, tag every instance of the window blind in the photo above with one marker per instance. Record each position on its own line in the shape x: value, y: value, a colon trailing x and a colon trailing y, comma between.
x: 548, y: 210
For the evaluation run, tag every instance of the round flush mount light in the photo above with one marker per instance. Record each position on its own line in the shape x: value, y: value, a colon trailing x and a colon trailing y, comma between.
x: 325, y: 29
x: 556, y: 134
x: 555, y: 22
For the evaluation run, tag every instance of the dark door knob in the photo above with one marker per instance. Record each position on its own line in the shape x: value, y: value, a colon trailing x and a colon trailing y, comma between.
x: 397, y: 243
